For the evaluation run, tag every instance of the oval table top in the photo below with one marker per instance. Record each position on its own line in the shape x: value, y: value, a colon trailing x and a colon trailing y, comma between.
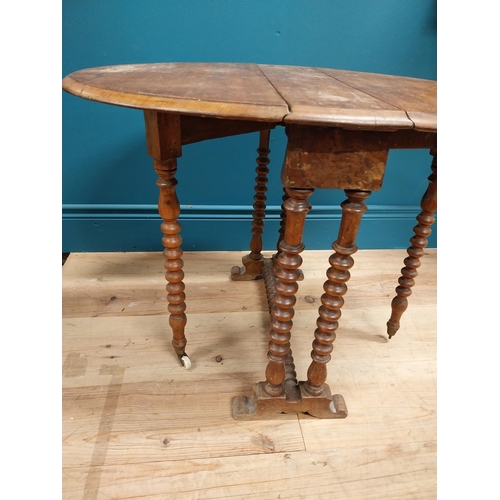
x: 269, y: 93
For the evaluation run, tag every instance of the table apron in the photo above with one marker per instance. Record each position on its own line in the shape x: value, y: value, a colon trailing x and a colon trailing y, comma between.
x: 327, y: 157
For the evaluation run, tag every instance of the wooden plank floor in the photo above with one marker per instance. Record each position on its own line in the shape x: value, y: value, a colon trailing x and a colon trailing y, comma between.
x: 138, y: 425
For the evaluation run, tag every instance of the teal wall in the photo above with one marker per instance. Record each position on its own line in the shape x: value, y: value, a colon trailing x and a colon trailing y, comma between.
x: 109, y: 190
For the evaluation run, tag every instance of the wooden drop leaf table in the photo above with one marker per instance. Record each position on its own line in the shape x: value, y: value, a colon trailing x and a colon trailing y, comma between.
x: 340, y: 127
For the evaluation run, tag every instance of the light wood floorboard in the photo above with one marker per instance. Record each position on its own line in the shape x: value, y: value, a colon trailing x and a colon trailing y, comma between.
x: 138, y: 425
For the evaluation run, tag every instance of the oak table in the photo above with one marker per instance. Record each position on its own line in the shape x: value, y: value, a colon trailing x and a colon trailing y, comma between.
x: 340, y: 127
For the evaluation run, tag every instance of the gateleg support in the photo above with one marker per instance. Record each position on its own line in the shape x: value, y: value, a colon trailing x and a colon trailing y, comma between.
x: 252, y: 268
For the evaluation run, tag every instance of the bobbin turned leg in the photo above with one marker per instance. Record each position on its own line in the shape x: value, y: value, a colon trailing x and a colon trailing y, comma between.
x: 164, y: 145
x: 418, y: 242
x: 335, y: 287
x: 169, y: 209
x: 253, y: 262
x: 286, y: 287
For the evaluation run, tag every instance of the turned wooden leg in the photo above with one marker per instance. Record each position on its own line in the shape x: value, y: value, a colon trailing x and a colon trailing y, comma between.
x: 286, y: 287
x: 418, y: 242
x: 281, y: 232
x: 169, y: 209
x: 163, y: 135
x: 281, y: 236
x: 335, y: 287
x: 253, y: 262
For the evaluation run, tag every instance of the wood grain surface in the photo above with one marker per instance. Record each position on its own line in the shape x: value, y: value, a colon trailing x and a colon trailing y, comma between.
x: 138, y: 425
x: 268, y: 93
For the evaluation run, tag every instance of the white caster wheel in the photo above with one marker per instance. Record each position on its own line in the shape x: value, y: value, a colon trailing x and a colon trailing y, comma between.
x: 186, y: 362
